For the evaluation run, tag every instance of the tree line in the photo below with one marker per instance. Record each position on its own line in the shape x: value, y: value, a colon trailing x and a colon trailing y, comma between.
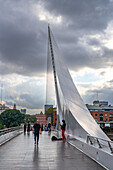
x: 12, y: 118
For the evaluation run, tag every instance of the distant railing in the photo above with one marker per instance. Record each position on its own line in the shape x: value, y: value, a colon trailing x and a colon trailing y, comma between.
x: 93, y: 138
x: 7, y: 130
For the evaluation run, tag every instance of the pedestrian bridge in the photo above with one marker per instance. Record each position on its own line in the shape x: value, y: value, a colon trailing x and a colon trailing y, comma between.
x: 20, y: 153
x: 82, y: 130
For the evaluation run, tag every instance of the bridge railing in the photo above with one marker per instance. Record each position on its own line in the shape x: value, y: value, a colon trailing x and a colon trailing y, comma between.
x: 101, y: 142
x: 7, y: 130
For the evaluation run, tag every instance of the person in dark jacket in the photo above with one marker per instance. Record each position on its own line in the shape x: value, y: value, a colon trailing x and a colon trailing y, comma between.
x: 49, y: 127
x: 24, y: 127
x: 28, y: 128
x: 42, y: 127
x: 36, y: 131
x: 63, y: 126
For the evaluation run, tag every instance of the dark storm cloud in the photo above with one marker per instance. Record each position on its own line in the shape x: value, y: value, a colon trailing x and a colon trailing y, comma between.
x: 105, y: 93
x: 31, y: 102
x: 93, y: 42
x: 102, y: 92
x: 23, y: 38
x: 25, y: 94
x: 90, y: 15
x: 9, y: 103
x: 82, y: 18
x: 79, y: 57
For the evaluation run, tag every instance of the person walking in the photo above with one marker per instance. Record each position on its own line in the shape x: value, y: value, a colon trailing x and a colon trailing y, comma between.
x: 36, y: 130
x: 24, y: 128
x: 28, y: 128
x: 49, y: 127
x: 42, y: 127
x: 63, y: 126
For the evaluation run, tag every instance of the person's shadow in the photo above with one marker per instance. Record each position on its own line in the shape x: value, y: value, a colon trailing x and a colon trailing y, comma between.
x: 36, y: 153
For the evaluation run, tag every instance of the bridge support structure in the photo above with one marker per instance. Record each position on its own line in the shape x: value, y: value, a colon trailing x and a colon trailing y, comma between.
x: 81, y: 129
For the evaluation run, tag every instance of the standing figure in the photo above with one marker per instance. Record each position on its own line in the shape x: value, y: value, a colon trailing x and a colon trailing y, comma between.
x: 24, y: 128
x: 36, y: 130
x: 49, y: 127
x: 28, y: 128
x: 42, y: 127
x: 46, y: 127
x: 63, y: 126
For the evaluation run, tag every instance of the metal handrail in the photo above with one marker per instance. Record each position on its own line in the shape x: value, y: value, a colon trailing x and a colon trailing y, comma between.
x: 109, y: 142
x: 7, y: 130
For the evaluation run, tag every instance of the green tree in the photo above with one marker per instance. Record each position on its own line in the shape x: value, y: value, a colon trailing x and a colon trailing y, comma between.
x: 12, y: 118
x: 0, y: 119
x: 1, y: 126
x: 30, y: 118
x: 49, y: 112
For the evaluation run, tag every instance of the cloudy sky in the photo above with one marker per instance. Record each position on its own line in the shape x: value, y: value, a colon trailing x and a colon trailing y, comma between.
x: 84, y: 33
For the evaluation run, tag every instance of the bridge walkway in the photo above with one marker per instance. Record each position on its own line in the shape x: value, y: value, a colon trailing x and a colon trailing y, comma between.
x: 20, y: 153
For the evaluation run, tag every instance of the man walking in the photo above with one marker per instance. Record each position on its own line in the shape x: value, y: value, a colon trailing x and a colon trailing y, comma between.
x: 36, y: 131
x: 28, y: 128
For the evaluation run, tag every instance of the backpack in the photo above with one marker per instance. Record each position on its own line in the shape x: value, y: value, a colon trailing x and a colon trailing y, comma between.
x: 54, y: 138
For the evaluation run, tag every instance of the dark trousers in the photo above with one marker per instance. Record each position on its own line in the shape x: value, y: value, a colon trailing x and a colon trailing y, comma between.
x: 36, y: 137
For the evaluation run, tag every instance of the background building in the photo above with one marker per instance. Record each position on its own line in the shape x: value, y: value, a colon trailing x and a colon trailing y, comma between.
x: 54, y: 116
x: 3, y: 107
x: 102, y: 113
x: 14, y: 107
x: 49, y: 113
x: 47, y: 107
x: 23, y: 111
x: 42, y: 118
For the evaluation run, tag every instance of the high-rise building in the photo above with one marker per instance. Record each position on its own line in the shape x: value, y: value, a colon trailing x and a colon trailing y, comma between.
x: 14, y: 107
x: 23, y: 111
x: 47, y: 107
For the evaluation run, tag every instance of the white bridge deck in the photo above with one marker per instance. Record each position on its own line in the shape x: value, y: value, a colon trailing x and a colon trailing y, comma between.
x: 20, y: 153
